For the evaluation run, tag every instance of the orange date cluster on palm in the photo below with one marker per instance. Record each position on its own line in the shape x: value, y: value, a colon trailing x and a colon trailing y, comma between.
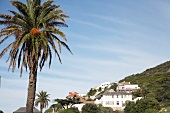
x: 35, y: 31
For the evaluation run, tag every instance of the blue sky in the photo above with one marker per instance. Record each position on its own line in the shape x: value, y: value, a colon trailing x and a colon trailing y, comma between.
x: 109, y: 39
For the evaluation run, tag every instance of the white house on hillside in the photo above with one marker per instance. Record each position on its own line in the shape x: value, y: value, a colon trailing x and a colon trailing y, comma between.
x: 103, y: 85
x: 127, y: 87
x: 115, y: 100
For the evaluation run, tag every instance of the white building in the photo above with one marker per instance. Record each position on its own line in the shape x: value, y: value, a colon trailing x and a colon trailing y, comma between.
x: 104, y: 85
x: 127, y: 87
x: 115, y: 100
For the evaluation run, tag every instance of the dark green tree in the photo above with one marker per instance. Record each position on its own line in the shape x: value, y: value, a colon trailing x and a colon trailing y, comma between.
x: 35, y: 30
x: 100, y: 89
x: 42, y: 100
x: 73, y: 100
x: 106, y: 110
x: 137, y: 93
x: 130, y: 107
x: 91, y: 92
x: 54, y: 108
x: 68, y: 102
x: 163, y: 93
x: 1, y: 111
x: 90, y: 108
x: 144, y: 91
x: 63, y: 102
x: 141, y: 105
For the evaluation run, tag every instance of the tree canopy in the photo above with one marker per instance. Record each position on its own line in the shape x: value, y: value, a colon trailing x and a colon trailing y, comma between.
x: 90, y: 108
x: 142, y: 105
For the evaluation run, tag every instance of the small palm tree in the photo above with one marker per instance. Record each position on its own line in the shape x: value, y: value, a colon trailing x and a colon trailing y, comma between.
x: 43, y: 99
x: 32, y: 32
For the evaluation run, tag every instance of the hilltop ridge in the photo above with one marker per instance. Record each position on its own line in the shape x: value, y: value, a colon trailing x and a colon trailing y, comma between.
x: 155, y: 81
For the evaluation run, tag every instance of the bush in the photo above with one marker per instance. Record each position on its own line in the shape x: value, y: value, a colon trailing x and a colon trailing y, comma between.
x: 106, y: 110
x: 66, y: 111
x: 1, y: 111
x: 90, y: 108
x: 141, y: 105
x: 75, y: 109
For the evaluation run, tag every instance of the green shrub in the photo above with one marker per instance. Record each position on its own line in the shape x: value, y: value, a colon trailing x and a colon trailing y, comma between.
x: 75, y: 109
x: 106, y: 110
x: 66, y: 111
x: 90, y: 108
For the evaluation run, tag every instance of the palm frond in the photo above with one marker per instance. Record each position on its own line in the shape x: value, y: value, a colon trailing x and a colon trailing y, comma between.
x: 58, y: 32
x: 47, y: 4
x: 5, y: 16
x: 65, y: 45
x: 5, y: 50
x: 4, y: 39
x: 55, y: 50
x: 36, y: 3
x: 57, y: 24
x: 61, y: 43
x: 20, y: 6
x: 50, y: 54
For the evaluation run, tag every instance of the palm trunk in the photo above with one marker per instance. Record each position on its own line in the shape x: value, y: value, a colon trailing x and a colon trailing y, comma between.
x: 31, y: 88
x: 41, y: 109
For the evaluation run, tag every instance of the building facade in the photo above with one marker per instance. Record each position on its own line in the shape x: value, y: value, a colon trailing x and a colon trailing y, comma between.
x: 127, y: 87
x: 115, y: 100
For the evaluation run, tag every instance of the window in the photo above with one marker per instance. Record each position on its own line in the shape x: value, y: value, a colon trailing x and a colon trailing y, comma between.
x: 123, y: 104
x: 117, y: 96
x: 107, y: 102
x: 112, y: 96
x: 107, y: 96
x: 117, y: 103
x: 111, y: 102
x: 122, y: 96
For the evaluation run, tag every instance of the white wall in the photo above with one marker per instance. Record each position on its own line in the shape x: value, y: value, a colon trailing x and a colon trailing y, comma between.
x: 128, y: 87
x: 115, y: 102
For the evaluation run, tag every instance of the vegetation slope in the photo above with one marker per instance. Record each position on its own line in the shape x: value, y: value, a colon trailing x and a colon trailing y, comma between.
x: 154, y: 82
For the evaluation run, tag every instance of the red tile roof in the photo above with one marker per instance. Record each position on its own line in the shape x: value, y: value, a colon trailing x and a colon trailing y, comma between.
x: 75, y: 94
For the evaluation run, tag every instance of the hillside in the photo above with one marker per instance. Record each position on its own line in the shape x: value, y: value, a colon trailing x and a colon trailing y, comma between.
x: 155, y: 82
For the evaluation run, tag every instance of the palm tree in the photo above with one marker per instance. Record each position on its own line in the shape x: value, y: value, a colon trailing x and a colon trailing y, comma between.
x: 43, y: 99
x: 35, y: 31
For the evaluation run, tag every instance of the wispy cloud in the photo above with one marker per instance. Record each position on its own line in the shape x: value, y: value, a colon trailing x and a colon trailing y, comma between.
x: 115, y: 20
x: 94, y: 25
